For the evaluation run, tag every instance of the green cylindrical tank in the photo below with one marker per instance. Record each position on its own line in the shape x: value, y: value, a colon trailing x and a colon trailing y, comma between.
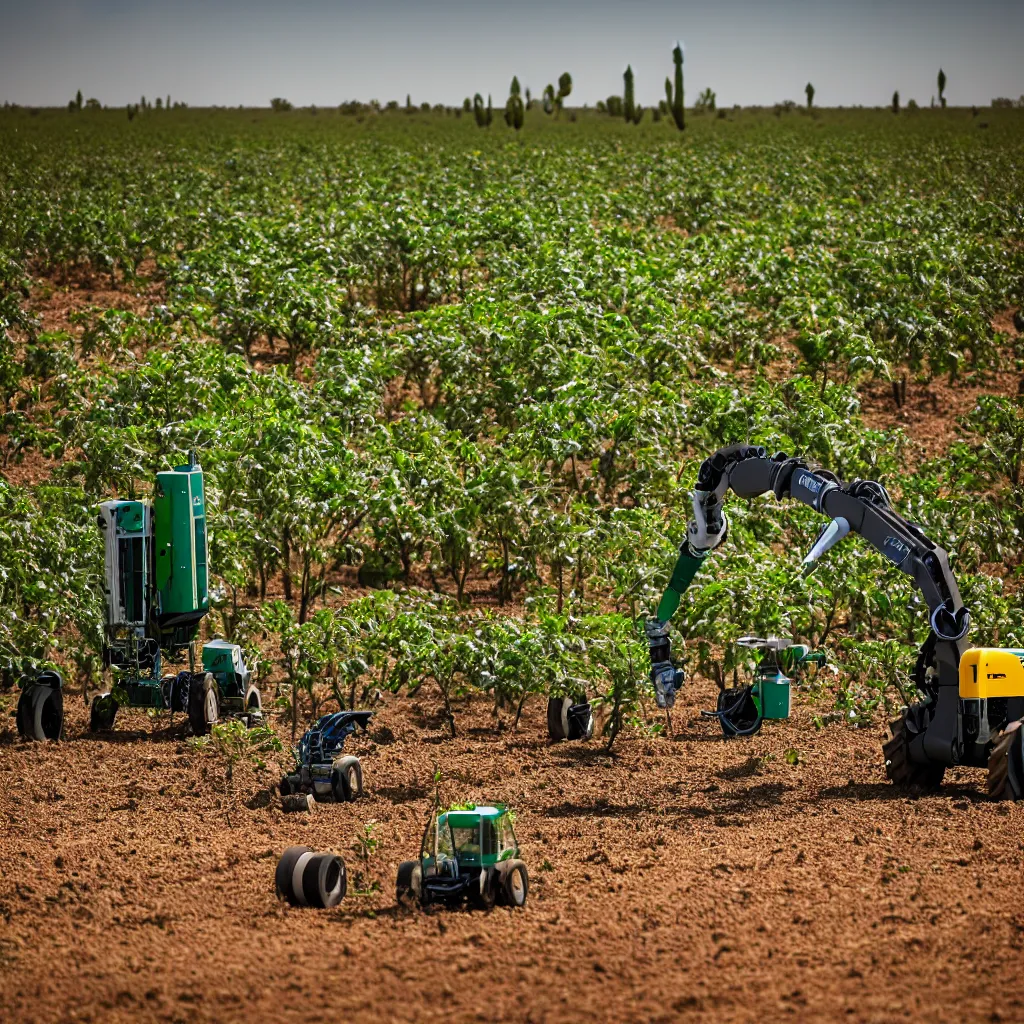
x: 180, y: 552
x: 774, y: 691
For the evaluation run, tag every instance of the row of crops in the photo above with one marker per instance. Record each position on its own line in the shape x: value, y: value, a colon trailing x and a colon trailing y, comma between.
x: 450, y: 392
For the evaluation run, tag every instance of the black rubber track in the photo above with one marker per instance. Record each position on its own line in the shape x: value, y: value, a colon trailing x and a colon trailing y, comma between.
x: 899, y: 769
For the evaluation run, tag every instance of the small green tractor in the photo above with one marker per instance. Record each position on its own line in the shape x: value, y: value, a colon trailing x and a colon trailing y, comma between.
x: 469, y: 851
x: 156, y: 591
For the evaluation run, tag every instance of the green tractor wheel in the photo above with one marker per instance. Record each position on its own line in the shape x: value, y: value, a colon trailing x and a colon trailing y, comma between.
x: 516, y: 884
x: 203, y: 703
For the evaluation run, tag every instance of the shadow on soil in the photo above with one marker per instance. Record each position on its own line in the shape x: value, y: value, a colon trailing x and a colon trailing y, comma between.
x: 886, y: 791
x: 597, y: 809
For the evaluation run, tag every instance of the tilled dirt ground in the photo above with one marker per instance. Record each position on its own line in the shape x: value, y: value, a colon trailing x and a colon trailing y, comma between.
x: 685, y: 878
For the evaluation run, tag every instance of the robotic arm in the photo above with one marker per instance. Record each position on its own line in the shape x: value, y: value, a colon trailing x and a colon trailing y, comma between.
x: 863, y: 507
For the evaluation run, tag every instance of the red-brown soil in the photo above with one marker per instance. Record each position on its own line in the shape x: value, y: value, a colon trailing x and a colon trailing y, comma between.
x: 682, y: 879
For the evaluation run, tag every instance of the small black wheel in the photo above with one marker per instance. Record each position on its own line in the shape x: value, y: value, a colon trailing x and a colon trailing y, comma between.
x: 558, y: 720
x: 102, y: 713
x: 347, y: 779
x: 409, y: 883
x: 203, y: 703
x: 286, y: 869
x: 40, y: 713
x: 1006, y: 764
x: 516, y: 884
x: 899, y: 769
x: 253, y: 705
x: 580, y: 719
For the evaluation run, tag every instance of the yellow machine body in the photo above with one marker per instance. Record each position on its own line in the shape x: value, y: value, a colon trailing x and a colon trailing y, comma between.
x: 991, y: 672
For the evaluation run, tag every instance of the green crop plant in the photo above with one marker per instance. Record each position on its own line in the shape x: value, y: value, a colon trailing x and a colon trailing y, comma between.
x: 450, y: 425
x: 942, y: 88
x: 674, y: 94
x: 514, y: 108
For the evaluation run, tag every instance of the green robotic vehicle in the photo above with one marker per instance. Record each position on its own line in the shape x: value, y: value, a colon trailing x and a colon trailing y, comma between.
x: 156, y: 590
x: 741, y: 710
x: 469, y: 851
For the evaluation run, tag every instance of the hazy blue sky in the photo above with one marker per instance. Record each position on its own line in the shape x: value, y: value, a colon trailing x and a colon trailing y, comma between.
x: 325, y: 51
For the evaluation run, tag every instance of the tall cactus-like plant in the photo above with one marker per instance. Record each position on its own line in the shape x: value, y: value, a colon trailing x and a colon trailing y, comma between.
x: 514, y: 112
x: 549, y: 99
x: 810, y: 95
x: 896, y: 102
x: 630, y: 110
x: 479, y: 111
x: 942, y: 88
x: 564, y: 88
x: 675, y: 98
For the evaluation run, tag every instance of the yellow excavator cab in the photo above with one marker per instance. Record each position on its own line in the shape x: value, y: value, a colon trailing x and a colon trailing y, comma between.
x: 992, y: 672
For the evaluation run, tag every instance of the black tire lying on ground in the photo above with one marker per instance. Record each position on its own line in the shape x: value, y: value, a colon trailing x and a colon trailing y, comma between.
x: 40, y: 712
x: 308, y: 879
x: 285, y: 867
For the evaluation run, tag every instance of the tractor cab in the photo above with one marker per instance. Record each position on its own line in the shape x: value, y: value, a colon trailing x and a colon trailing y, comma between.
x: 463, y: 848
x: 236, y: 695
x: 227, y: 664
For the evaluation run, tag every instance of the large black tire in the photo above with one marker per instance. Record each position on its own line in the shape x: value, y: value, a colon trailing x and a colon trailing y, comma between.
x: 289, y: 784
x: 40, y: 714
x: 516, y: 884
x: 285, y: 869
x: 1006, y: 764
x: 899, y: 769
x: 176, y: 690
x: 347, y: 779
x: 318, y: 880
x: 409, y: 883
x: 203, y: 703
x: 102, y: 713
x: 558, y: 721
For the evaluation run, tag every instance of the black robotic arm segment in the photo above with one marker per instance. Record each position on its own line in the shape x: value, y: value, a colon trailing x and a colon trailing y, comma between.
x: 862, y: 506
